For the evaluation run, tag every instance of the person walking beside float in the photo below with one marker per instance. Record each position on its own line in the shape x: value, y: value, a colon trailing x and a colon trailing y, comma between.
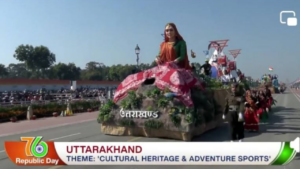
x: 269, y: 98
x: 234, y: 110
x: 263, y: 114
x: 251, y: 118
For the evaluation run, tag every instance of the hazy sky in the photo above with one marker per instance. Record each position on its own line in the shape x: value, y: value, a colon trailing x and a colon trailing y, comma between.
x: 107, y: 31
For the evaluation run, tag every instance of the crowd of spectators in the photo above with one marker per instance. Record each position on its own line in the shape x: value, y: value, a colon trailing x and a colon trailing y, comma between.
x: 52, y: 95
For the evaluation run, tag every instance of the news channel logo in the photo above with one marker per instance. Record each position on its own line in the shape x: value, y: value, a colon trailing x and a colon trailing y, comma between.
x: 35, y: 147
x: 290, y: 21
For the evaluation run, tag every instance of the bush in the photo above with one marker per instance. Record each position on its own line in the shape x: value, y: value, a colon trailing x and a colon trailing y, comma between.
x: 105, y: 111
x: 44, y: 110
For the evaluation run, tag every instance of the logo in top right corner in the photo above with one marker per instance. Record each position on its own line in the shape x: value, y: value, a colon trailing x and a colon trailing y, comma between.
x: 291, y: 21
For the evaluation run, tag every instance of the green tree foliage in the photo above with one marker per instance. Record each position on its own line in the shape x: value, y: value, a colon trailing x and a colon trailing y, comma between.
x: 94, y: 71
x: 18, y: 71
x: 64, y: 71
x: 3, y: 71
x: 35, y: 58
x: 197, y: 68
x: 40, y: 63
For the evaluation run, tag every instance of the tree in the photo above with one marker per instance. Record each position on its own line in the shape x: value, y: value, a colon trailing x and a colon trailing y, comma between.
x: 197, y: 68
x: 92, y: 66
x: 18, y: 71
x: 38, y: 62
x: 113, y: 73
x: 44, y: 58
x: 25, y: 53
x: 95, y: 71
x: 74, y: 71
x: 3, y: 71
x: 65, y: 72
x: 35, y: 58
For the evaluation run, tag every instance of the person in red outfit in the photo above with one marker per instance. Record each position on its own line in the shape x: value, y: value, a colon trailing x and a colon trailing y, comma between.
x: 251, y: 119
x: 263, y: 114
x: 259, y: 109
x: 269, y: 98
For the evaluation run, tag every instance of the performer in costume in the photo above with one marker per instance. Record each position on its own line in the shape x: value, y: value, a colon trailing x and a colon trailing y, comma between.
x: 243, y: 83
x: 259, y: 109
x: 173, y: 48
x: 207, y: 68
x: 263, y: 114
x: 234, y: 109
x: 251, y: 119
x: 275, y: 84
x: 225, y: 79
x: 269, y: 98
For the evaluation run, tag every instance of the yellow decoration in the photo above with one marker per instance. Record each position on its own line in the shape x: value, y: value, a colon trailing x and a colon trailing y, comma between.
x: 69, y: 111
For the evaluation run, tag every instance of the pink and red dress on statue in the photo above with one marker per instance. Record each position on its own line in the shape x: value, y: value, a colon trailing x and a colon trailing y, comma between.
x: 168, y: 75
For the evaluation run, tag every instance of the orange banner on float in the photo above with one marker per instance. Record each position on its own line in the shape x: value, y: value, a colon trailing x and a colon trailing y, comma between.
x: 32, y: 151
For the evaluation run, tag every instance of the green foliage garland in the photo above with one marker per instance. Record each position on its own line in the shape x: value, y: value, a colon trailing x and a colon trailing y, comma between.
x: 176, y: 120
x: 153, y: 93
x: 153, y: 124
x: 127, y: 122
x: 189, y: 114
x: 105, y: 111
x: 132, y: 101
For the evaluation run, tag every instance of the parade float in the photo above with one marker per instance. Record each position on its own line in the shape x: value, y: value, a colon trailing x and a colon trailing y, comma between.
x: 272, y: 81
x: 218, y: 60
x: 275, y: 84
x: 232, y: 67
x: 282, y: 87
x: 169, y: 103
x: 279, y: 86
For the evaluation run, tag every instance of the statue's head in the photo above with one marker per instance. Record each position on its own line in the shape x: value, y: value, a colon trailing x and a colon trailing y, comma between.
x: 171, y: 32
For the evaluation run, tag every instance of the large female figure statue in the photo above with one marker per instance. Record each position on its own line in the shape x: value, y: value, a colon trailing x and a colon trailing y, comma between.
x: 173, y: 71
x: 173, y: 49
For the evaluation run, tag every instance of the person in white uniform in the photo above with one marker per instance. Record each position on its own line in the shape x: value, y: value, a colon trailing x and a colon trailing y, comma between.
x: 226, y: 78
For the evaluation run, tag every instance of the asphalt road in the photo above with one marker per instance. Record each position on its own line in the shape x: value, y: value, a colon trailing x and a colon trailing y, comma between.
x: 284, y: 125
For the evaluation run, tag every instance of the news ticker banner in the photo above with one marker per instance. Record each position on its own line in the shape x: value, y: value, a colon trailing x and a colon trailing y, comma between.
x: 35, y: 151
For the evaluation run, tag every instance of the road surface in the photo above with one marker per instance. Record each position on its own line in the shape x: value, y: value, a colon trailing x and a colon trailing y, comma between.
x: 284, y: 125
